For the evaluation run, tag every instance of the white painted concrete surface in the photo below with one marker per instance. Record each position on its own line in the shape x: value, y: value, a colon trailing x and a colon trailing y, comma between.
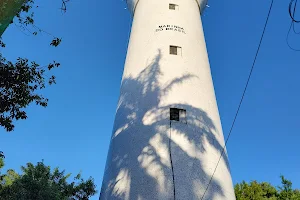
x: 151, y: 157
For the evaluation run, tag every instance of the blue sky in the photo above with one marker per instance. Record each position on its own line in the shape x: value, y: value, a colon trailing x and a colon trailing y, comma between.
x: 74, y: 131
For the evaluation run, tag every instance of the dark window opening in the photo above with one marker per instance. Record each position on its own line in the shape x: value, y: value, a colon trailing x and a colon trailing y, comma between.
x: 174, y: 114
x: 175, y: 50
x: 173, y: 6
x: 178, y: 115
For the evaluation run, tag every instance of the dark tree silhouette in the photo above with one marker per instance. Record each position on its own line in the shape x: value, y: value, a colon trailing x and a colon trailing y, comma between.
x: 21, y: 82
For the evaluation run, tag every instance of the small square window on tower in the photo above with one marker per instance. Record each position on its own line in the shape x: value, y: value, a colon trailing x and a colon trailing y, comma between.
x: 178, y: 115
x: 175, y: 50
x: 173, y: 6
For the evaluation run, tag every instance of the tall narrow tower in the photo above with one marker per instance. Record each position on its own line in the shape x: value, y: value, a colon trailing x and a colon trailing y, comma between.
x: 167, y: 136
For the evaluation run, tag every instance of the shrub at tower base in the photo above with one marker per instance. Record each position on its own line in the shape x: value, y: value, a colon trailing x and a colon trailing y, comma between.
x: 265, y: 191
x: 39, y: 182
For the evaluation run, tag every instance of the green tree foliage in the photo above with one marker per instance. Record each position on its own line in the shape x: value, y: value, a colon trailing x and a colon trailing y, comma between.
x: 1, y: 155
x: 21, y: 82
x: 286, y: 191
x: 39, y: 182
x: 265, y: 191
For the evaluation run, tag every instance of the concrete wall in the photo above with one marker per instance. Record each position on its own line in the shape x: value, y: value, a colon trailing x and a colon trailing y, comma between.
x: 151, y: 157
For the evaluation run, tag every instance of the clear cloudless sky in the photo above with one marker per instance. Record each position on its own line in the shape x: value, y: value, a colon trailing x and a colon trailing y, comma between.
x: 74, y: 131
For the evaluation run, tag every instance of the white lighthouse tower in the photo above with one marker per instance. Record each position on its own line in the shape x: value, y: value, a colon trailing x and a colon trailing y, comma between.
x: 167, y: 136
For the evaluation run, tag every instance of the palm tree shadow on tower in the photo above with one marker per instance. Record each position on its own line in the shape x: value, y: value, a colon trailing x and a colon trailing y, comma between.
x: 138, y: 165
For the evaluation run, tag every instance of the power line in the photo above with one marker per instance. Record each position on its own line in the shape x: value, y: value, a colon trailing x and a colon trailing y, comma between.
x: 242, y: 98
x: 171, y: 161
x: 292, y: 12
x: 288, y: 36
